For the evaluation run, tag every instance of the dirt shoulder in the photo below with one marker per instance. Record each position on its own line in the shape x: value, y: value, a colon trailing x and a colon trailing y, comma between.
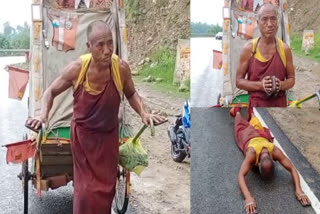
x: 164, y: 186
x: 302, y: 125
x: 302, y: 128
x: 157, y: 23
x: 307, y: 79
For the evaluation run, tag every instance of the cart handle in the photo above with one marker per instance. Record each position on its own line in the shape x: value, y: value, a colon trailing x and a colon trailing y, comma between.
x: 151, y: 126
x: 42, y: 127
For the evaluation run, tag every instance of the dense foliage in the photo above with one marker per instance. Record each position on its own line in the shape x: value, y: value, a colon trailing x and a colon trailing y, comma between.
x: 15, y: 38
x: 198, y: 29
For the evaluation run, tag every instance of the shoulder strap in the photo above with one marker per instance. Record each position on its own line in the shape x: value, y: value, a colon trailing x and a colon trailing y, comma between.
x: 85, y: 59
x: 282, y: 52
x: 255, y: 45
x: 116, y: 73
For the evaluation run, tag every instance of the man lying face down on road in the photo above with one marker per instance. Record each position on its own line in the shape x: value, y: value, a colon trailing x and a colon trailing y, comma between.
x: 255, y: 141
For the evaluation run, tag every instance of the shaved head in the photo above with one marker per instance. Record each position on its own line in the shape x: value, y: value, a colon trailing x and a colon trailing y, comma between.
x: 267, y: 7
x: 266, y: 168
x: 267, y: 19
x: 94, y: 26
x: 100, y: 43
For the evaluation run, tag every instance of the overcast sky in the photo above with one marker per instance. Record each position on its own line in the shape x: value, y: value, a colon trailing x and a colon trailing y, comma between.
x: 16, y: 12
x: 207, y: 11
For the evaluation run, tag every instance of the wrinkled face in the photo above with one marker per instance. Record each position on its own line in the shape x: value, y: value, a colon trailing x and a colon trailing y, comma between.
x: 268, y: 22
x: 100, y: 45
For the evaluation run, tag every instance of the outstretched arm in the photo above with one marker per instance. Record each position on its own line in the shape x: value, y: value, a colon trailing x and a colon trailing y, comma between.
x: 62, y: 83
x: 244, y: 169
x: 287, y: 164
x: 133, y: 97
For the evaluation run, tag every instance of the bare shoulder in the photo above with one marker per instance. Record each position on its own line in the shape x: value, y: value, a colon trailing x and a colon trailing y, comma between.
x: 287, y: 49
x: 247, y: 50
x: 123, y: 65
x: 286, y: 46
x: 250, y: 155
x: 72, y: 70
x: 124, y: 68
x: 248, y: 46
x: 277, y: 154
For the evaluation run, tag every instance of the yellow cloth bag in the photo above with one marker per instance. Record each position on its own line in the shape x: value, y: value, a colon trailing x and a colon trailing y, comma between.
x: 132, y: 156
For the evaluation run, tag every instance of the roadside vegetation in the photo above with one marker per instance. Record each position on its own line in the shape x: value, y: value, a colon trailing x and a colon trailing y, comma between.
x: 14, y: 38
x: 158, y: 71
x: 313, y: 53
x: 132, y: 8
x: 199, y: 29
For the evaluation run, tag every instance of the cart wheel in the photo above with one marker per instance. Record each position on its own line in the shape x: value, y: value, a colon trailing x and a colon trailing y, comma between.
x: 25, y: 179
x: 122, y: 191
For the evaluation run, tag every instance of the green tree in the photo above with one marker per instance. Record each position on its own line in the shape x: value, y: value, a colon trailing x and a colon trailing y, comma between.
x: 15, y: 38
x: 22, y: 37
x: 198, y: 28
x: 8, y: 31
x: 4, y: 43
x: 214, y: 29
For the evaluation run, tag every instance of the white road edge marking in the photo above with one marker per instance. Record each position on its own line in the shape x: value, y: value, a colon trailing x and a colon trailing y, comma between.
x: 305, y: 187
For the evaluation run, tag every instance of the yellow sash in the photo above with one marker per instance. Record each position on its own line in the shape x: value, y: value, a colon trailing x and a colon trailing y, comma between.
x: 86, y: 58
x: 259, y: 57
x: 258, y: 143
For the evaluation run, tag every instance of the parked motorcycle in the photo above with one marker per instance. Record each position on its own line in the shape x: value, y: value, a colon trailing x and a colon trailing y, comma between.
x: 179, y: 134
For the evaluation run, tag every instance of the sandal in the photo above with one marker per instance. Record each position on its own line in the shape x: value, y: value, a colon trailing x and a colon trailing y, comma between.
x: 233, y: 111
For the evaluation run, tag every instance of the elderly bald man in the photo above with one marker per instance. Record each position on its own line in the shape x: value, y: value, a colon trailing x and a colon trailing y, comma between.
x: 266, y: 68
x: 256, y: 143
x: 97, y: 79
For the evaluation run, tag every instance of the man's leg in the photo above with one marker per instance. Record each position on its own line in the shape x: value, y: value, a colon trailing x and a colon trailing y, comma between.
x: 240, y: 127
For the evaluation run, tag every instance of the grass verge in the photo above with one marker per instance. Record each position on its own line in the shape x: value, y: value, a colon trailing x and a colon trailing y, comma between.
x: 162, y: 65
x: 132, y: 8
x: 296, y: 44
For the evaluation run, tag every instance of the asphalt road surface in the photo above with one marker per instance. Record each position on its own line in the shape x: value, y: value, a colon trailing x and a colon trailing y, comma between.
x: 215, y: 164
x: 206, y: 82
x: 13, y: 114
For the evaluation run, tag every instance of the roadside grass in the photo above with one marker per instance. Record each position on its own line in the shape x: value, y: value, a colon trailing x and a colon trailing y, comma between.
x: 296, y: 44
x: 132, y: 8
x: 162, y: 65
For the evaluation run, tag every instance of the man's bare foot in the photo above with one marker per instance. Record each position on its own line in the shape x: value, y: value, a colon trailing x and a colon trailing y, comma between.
x: 234, y: 110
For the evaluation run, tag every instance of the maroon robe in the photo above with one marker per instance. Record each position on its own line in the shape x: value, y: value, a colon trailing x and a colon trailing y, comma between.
x: 244, y: 132
x: 95, y: 143
x: 257, y: 71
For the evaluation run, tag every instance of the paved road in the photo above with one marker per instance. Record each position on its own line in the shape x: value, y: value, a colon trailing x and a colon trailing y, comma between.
x: 12, y: 116
x: 206, y: 82
x: 215, y: 164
